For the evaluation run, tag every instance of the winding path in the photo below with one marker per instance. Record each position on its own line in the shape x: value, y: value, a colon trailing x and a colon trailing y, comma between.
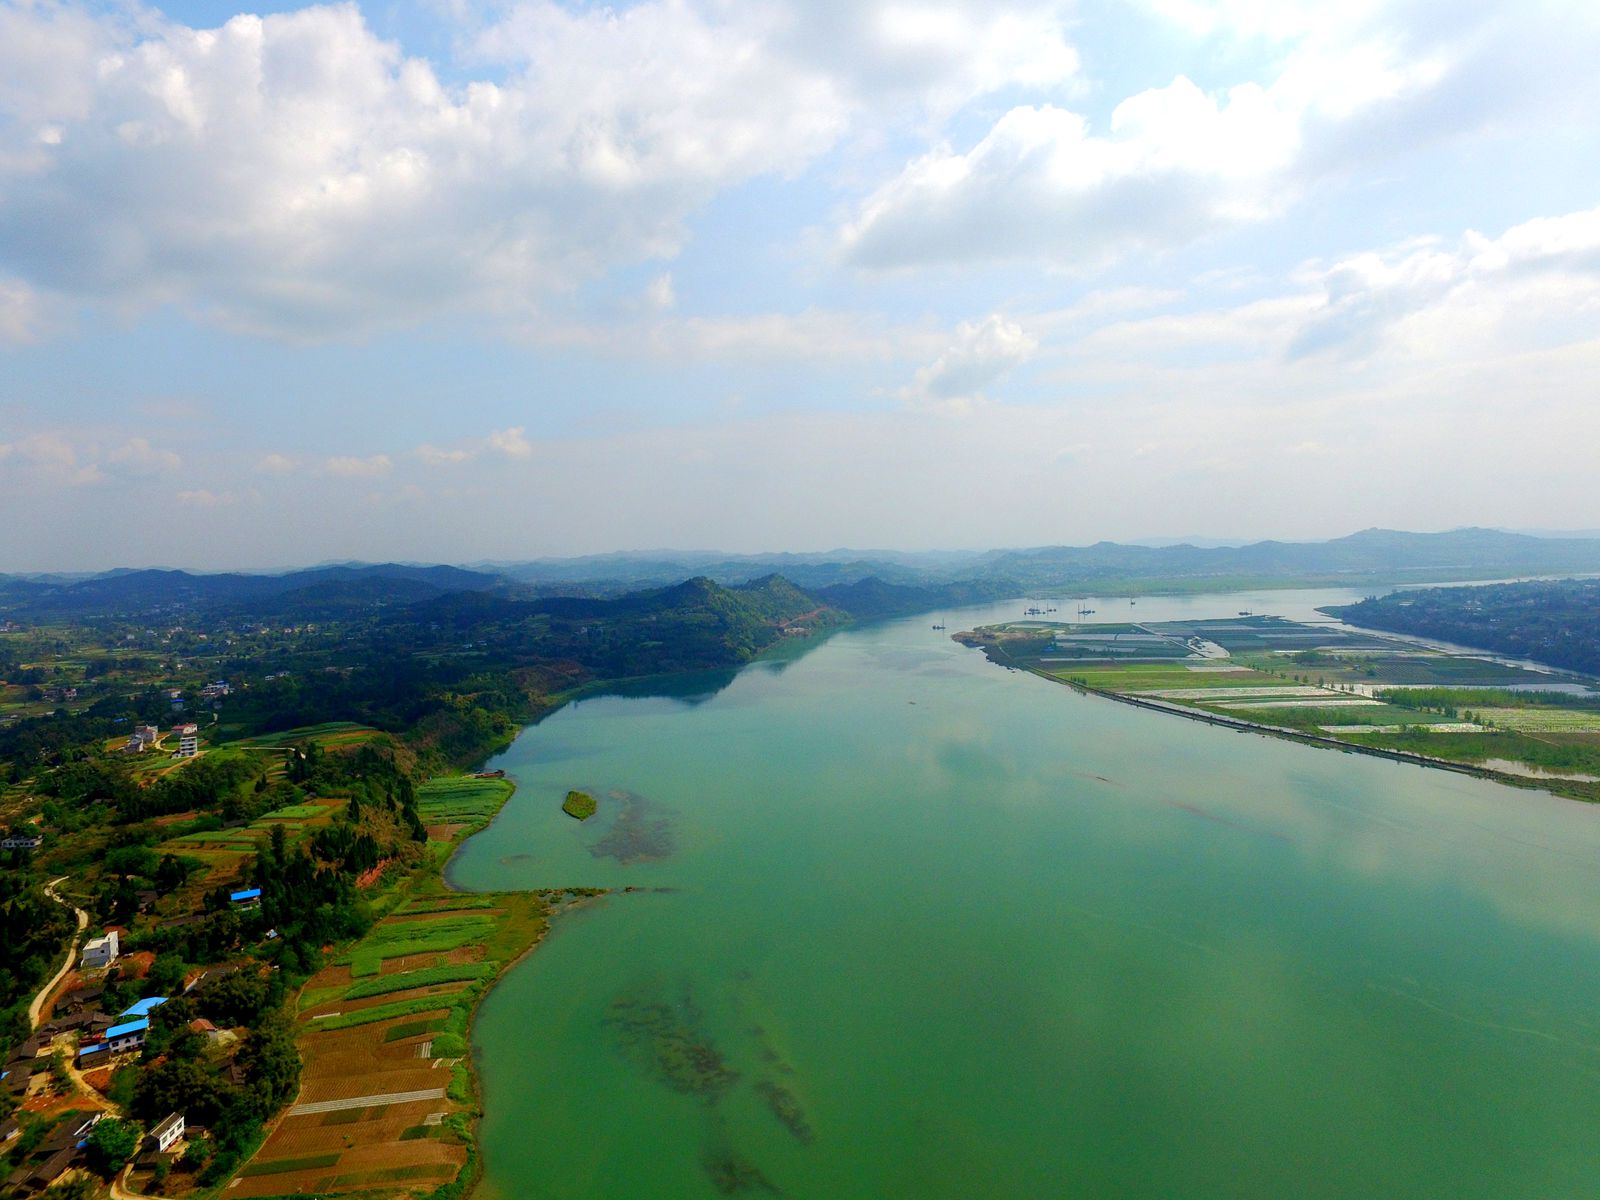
x: 72, y: 950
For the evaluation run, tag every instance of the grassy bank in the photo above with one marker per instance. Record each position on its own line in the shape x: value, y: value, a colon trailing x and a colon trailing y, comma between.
x: 1336, y: 698
x: 391, y: 1016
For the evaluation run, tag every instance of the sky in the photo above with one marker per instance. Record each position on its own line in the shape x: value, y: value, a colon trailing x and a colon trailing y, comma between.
x: 443, y: 281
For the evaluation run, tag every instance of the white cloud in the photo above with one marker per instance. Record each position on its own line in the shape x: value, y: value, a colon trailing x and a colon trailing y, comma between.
x: 513, y: 442
x: 137, y: 457
x: 1344, y: 89
x: 52, y: 456
x: 20, y: 318
x: 275, y: 464
x: 1536, y: 283
x: 352, y: 467
x: 659, y: 293
x: 983, y: 351
x: 293, y: 174
x: 436, y: 456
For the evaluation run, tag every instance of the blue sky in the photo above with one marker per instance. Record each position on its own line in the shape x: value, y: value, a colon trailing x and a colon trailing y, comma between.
x: 450, y: 281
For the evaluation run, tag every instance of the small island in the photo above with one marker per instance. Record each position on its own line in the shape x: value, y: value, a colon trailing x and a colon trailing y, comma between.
x: 579, y: 804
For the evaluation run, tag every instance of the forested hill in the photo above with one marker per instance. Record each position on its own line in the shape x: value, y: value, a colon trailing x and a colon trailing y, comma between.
x: 1370, y: 556
x: 689, y: 626
x: 1552, y: 622
x: 864, y: 583
x: 316, y: 590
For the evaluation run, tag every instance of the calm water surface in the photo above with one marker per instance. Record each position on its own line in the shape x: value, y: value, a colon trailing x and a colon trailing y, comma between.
x: 928, y: 928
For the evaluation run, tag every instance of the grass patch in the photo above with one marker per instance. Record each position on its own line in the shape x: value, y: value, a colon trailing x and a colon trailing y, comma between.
x: 402, y: 938
x: 399, y: 1033
x: 457, y: 799
x: 444, y: 904
x: 384, y: 1012
x: 426, y: 977
x: 579, y: 804
x: 295, y: 812
x: 1540, y: 720
x: 449, y: 1045
x: 1477, y: 747
x: 282, y: 1166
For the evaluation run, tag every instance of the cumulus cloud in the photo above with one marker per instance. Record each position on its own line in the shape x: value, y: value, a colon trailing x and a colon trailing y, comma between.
x: 52, y: 457
x: 1347, y: 86
x: 137, y: 457
x: 1542, y: 276
x: 438, y: 456
x: 19, y: 312
x: 982, y: 352
x: 294, y: 174
x: 1178, y: 163
x: 659, y: 293
x: 513, y: 442
x: 275, y: 464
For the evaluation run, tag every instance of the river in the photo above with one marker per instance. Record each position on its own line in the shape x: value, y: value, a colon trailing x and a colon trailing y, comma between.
x: 912, y: 925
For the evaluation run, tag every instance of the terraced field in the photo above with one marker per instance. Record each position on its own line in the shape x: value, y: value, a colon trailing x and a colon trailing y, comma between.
x: 387, y: 1105
x: 224, y: 850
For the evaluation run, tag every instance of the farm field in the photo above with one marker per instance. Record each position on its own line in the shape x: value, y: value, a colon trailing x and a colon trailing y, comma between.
x: 1542, y: 720
x: 387, y: 1104
x: 1367, y: 689
x: 224, y: 850
x: 457, y: 807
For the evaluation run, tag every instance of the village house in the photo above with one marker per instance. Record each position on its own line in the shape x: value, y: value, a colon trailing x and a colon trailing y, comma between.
x: 143, y: 738
x: 128, y: 1035
x: 248, y: 898
x: 168, y: 1133
x: 188, y: 740
x: 26, y: 841
x: 100, y: 952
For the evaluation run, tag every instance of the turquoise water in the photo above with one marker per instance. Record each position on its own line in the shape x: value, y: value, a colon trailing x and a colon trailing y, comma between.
x: 911, y: 925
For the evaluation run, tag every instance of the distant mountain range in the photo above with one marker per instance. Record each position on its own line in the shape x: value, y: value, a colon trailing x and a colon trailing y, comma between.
x: 860, y: 582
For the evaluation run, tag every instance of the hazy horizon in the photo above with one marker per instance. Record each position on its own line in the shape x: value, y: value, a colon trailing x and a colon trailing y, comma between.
x: 296, y: 283
x: 690, y: 555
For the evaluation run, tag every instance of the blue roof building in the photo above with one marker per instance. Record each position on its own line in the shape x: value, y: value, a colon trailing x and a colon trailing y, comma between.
x: 144, y: 1007
x: 127, y: 1028
x: 245, y: 896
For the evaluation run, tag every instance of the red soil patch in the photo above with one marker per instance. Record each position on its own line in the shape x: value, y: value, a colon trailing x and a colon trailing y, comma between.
x: 371, y: 876
x: 136, y: 965
x: 99, y: 1080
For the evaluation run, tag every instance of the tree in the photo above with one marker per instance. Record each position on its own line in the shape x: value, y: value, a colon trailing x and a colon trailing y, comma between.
x: 112, y: 1142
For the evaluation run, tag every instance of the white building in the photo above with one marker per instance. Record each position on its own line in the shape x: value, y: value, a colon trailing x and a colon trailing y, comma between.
x: 26, y: 842
x: 100, y: 951
x: 188, y: 741
x: 168, y: 1133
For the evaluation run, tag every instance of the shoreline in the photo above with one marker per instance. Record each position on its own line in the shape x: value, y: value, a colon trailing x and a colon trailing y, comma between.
x: 1240, y: 725
x: 521, y: 921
